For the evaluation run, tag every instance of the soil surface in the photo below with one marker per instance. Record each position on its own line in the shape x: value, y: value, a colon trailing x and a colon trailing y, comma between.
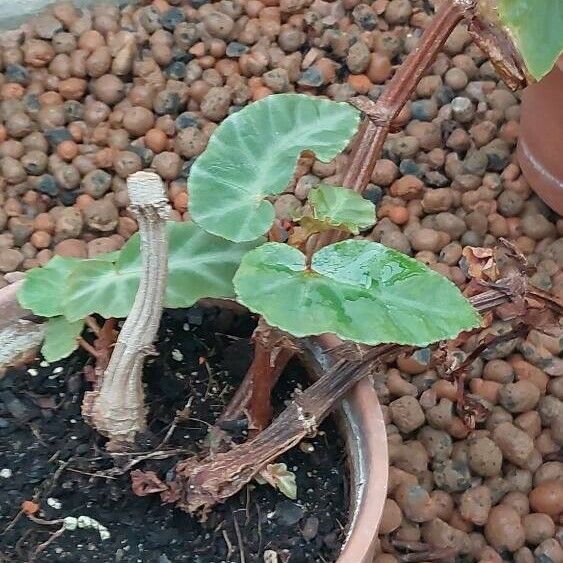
x: 50, y: 452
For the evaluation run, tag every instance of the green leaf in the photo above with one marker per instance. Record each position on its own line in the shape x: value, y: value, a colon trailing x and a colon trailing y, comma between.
x: 537, y: 28
x: 199, y: 265
x: 43, y: 288
x: 342, y: 208
x: 278, y: 476
x: 253, y: 154
x: 357, y: 289
x: 61, y: 338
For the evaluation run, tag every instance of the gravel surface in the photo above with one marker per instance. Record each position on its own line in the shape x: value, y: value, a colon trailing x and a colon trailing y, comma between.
x: 87, y: 98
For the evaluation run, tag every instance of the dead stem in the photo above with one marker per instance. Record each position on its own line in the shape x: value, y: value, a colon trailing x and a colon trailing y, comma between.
x: 198, y: 486
x: 116, y: 407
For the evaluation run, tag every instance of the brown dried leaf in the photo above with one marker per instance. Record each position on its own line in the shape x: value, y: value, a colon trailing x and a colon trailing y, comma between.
x: 481, y: 263
x: 146, y: 483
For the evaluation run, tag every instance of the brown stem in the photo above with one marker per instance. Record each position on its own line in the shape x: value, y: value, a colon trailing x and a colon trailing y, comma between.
x: 253, y: 394
x: 380, y: 114
x: 197, y: 486
x: 85, y: 345
x: 268, y: 367
x: 500, y: 50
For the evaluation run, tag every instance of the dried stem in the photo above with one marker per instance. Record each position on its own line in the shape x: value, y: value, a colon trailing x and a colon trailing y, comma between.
x: 116, y: 408
x: 197, y: 486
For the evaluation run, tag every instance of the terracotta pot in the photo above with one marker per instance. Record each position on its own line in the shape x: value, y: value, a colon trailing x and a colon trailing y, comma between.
x: 540, y: 145
x: 360, y: 420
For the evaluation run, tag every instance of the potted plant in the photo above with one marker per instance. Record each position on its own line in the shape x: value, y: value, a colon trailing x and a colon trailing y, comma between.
x: 326, y: 285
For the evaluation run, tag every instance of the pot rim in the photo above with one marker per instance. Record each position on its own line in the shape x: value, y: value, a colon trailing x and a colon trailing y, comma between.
x: 362, y: 426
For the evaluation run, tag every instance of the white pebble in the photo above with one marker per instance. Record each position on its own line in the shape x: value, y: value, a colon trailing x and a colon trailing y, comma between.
x: 54, y: 503
x: 32, y: 371
x: 177, y: 355
x: 5, y: 473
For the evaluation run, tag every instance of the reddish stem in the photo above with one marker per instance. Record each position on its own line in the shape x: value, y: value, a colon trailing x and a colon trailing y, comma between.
x: 266, y: 369
x: 364, y: 155
x: 380, y: 114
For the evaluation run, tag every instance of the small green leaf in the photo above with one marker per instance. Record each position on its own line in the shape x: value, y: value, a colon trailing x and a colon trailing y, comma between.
x: 357, y: 289
x: 280, y: 477
x: 61, y: 338
x: 43, y: 288
x: 537, y: 28
x: 199, y: 265
x: 342, y: 208
x: 253, y: 154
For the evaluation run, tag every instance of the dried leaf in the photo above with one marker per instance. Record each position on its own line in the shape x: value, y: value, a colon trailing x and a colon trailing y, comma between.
x: 29, y: 507
x: 481, y: 263
x: 146, y: 482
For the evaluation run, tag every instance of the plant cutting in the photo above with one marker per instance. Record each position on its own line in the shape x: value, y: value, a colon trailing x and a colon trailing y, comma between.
x: 325, y: 285
x: 356, y: 289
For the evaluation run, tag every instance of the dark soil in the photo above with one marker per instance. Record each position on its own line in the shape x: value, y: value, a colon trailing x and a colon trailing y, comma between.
x: 46, y: 445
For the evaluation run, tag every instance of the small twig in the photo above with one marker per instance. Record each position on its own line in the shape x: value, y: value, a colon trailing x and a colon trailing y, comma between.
x: 13, y: 522
x: 500, y: 50
x: 43, y: 546
x: 84, y: 344
x: 99, y: 475
x: 93, y: 325
x: 44, y: 522
x: 239, y: 538
x: 228, y: 543
x: 259, y: 517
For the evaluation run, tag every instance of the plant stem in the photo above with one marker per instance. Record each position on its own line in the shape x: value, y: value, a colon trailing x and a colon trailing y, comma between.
x: 116, y: 408
x: 265, y: 376
x: 379, y: 115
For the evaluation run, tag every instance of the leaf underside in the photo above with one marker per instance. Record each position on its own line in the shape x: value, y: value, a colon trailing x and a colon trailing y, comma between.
x: 342, y: 208
x: 357, y: 289
x: 253, y: 154
x: 537, y: 28
x: 61, y: 338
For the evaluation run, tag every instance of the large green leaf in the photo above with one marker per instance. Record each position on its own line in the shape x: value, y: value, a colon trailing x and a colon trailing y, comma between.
x: 252, y: 155
x: 357, y: 289
x: 43, y: 288
x: 61, y: 338
x: 342, y: 208
x: 199, y: 265
x: 537, y: 28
